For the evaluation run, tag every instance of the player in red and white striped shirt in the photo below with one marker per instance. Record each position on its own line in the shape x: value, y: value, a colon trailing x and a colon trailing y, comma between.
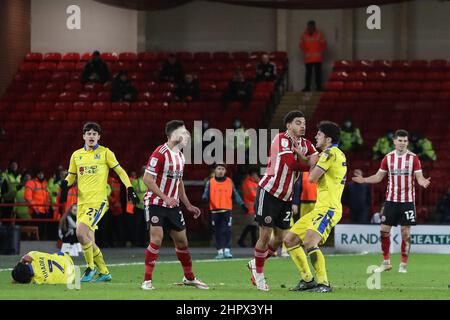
x: 289, y: 154
x: 402, y: 166
x: 163, y: 177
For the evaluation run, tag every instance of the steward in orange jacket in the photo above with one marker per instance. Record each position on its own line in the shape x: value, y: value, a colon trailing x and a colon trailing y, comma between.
x: 37, y: 195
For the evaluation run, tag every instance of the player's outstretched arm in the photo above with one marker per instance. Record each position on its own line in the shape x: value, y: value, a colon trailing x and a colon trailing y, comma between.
x: 421, y: 180
x: 376, y: 178
x: 150, y: 182
x: 184, y: 199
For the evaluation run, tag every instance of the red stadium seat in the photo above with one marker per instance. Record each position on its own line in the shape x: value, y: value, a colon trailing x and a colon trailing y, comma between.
x: 382, y: 65
x: 439, y: 65
x: 373, y: 85
x: 342, y: 65
x: 60, y: 76
x: 120, y: 106
x: 220, y: 56
x: 362, y: 65
x: 279, y: 56
x: 184, y: 57
x: 101, y: 106
x: 431, y: 86
x: 36, y: 86
x: 55, y: 86
x: 104, y: 96
x: 109, y: 56
x: 25, y: 107
x: 73, y: 86
x: 86, y: 56
x: 419, y: 65
x: 392, y: 85
x: 57, y: 116
x: 339, y: 76
x: 401, y: 65
x: 49, y: 96
x: 76, y: 115
x: 52, y: 56
x: 63, y: 106
x: 92, y: 87
x: 411, y: 85
x: 202, y: 56
x: 354, y: 86
x: 69, y: 96
x: 240, y: 56
x: 44, y: 106
x: 81, y: 106
x: 397, y: 76
x: 127, y: 56
x: 376, y: 76
x: 28, y: 67
x: 71, y: 56
x: 87, y: 96
x: 66, y: 66
x: 330, y: 95
x: 435, y: 76
x: 33, y: 56
x: 146, y: 56
x: 47, y: 66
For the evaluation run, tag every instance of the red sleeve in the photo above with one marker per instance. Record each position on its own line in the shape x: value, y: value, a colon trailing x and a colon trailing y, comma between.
x: 311, y: 149
x: 384, y: 166
x: 155, y: 163
x: 296, y: 165
x: 416, y: 164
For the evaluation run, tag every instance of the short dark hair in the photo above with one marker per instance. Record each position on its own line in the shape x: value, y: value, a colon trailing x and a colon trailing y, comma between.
x: 21, y: 273
x: 92, y: 126
x: 401, y: 133
x: 96, y: 53
x: 311, y: 23
x: 220, y: 164
x: 173, y: 125
x: 291, y: 115
x: 253, y: 170
x: 330, y: 130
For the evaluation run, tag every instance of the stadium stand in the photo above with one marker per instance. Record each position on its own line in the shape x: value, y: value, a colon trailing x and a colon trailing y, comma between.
x: 380, y: 95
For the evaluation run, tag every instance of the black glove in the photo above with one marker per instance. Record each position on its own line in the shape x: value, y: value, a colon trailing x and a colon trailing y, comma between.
x: 64, y: 189
x: 132, y: 196
x: 244, y: 207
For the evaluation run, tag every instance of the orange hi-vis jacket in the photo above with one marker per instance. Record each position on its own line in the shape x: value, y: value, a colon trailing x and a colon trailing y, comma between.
x: 249, y: 188
x: 313, y: 45
x: 114, y: 198
x: 36, y: 193
x: 220, y: 194
x: 130, y: 205
x: 309, y: 190
x: 72, y: 198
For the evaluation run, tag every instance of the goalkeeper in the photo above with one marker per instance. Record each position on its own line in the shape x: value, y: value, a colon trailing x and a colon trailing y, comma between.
x: 90, y: 166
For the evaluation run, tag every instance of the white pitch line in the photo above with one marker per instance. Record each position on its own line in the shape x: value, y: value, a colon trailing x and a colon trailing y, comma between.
x: 205, y: 260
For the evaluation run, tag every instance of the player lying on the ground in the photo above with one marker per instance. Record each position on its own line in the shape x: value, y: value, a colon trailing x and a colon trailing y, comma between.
x: 40, y: 267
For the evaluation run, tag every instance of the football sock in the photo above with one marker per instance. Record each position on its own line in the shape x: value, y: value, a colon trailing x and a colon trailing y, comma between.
x: 100, y: 262
x: 271, y: 251
x: 406, y: 246
x: 151, y: 255
x: 385, y: 244
x: 260, y: 258
x: 299, y: 257
x: 186, y: 262
x: 318, y: 262
x: 88, y: 252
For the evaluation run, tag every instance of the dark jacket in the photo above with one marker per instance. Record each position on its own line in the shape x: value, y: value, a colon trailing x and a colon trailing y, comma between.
x: 120, y: 89
x: 172, y: 73
x: 96, y: 67
x: 266, y: 72
x: 186, y: 90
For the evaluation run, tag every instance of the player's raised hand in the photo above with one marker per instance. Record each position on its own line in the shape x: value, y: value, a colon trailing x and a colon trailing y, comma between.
x: 358, y: 179
x: 196, y: 211
x: 425, y: 182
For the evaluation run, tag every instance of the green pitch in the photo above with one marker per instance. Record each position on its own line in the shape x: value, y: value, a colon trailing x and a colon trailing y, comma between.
x: 428, y: 277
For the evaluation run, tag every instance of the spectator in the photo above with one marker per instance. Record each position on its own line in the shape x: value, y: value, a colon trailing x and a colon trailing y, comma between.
x: 53, y: 187
x: 22, y: 212
x: 304, y: 197
x: 122, y: 89
x: 249, y: 187
x: 422, y: 147
x: 115, y: 208
x: 313, y: 44
x: 188, y: 90
x: 266, y: 70
x: 172, y: 70
x: 67, y: 232
x: 139, y: 217
x: 358, y: 197
x: 351, y: 138
x: 383, y: 146
x: 443, y: 207
x: 220, y: 192
x: 11, y: 179
x: 238, y: 90
x: 37, y: 195
x: 95, y: 70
